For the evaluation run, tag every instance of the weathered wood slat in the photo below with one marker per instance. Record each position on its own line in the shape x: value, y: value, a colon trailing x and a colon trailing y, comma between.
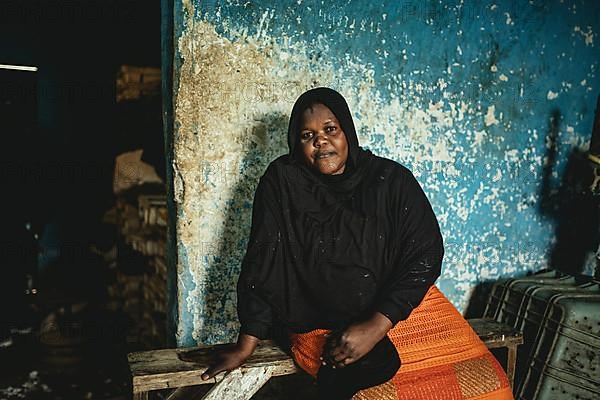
x: 495, y: 334
x: 168, y: 368
x: 187, y: 393
x: 140, y: 396
x: 239, y: 384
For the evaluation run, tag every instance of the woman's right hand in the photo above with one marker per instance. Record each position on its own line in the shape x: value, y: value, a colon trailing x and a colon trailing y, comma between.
x: 232, y: 358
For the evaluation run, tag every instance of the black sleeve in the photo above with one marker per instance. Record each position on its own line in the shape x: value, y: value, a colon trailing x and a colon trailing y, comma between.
x: 254, y: 313
x: 419, y: 250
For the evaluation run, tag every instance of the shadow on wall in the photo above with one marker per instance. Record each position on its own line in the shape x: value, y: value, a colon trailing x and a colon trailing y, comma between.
x: 571, y: 204
x: 269, y: 135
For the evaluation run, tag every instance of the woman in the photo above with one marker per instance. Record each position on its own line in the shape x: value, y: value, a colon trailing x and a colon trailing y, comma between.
x: 343, y: 246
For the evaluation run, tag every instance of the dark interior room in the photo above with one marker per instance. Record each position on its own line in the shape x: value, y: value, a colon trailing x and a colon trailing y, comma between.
x: 394, y: 200
x: 89, y: 92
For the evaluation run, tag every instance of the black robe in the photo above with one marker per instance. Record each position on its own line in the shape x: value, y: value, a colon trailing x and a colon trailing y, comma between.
x: 326, y: 251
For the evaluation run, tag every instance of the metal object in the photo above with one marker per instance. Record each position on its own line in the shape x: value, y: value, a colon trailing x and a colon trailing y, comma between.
x: 566, y: 360
x: 500, y: 290
x: 529, y: 305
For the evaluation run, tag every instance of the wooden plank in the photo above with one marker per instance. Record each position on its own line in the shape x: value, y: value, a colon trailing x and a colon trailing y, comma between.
x: 187, y: 393
x: 511, y: 363
x: 495, y: 334
x: 239, y: 384
x: 140, y: 396
x: 172, y: 368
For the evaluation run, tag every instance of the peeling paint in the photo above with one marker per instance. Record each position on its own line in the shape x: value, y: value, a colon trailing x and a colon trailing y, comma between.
x: 587, y: 36
x: 474, y: 140
x: 490, y: 116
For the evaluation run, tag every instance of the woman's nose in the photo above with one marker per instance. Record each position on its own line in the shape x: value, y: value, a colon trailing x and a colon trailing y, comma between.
x: 320, y: 139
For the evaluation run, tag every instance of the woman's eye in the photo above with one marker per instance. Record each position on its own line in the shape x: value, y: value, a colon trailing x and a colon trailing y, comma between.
x: 330, y: 129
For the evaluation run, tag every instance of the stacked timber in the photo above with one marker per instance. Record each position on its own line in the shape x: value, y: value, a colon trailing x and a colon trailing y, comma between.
x: 141, y: 208
x: 135, y: 82
x: 141, y: 268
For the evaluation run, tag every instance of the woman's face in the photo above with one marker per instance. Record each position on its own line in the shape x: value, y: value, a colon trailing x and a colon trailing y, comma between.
x: 322, y: 140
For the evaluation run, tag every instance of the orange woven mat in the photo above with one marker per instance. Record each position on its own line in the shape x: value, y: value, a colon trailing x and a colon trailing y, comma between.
x: 442, y: 357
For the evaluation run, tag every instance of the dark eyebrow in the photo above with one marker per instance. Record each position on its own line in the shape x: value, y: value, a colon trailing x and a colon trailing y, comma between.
x: 327, y: 121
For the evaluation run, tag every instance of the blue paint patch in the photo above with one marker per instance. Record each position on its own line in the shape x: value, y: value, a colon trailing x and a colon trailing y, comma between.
x: 465, y: 94
x: 186, y: 284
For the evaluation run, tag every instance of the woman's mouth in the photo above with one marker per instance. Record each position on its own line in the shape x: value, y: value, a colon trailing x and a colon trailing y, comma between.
x: 325, y: 154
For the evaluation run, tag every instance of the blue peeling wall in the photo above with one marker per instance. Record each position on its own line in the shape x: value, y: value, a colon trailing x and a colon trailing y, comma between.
x: 490, y: 104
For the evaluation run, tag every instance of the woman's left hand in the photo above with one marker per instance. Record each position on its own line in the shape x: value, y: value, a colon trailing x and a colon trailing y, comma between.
x: 350, y: 345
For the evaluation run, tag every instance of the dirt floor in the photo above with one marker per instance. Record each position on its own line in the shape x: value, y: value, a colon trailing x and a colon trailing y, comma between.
x: 77, y: 356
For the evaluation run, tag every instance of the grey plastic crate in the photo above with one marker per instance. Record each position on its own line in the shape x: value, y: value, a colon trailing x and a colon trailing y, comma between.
x: 556, y: 387
x: 536, y: 301
x: 567, y: 351
x: 517, y: 290
x: 500, y: 289
x: 531, y: 317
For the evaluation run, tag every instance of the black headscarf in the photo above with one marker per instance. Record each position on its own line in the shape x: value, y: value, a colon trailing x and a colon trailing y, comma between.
x: 337, y: 104
x: 326, y: 250
x: 357, y: 157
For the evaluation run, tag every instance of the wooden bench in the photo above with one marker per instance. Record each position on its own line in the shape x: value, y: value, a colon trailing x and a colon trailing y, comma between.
x: 166, y: 369
x: 495, y: 335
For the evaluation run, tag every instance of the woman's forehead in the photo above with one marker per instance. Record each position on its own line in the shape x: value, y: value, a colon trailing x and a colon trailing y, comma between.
x: 318, y: 112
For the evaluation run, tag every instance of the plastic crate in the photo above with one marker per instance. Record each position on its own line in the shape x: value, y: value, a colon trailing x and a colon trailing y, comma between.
x: 556, y: 387
x: 516, y: 291
x: 566, y: 360
x: 531, y: 317
x: 500, y: 288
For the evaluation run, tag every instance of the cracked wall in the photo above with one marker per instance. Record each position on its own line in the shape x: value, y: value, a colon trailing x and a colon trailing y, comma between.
x: 465, y: 94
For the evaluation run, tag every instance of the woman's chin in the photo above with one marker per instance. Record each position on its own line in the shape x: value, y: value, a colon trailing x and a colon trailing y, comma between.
x: 329, y: 168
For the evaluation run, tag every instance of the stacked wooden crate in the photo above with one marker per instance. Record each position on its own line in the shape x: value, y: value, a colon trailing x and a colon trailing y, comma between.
x: 152, y: 243
x: 141, y: 273
x: 134, y: 82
